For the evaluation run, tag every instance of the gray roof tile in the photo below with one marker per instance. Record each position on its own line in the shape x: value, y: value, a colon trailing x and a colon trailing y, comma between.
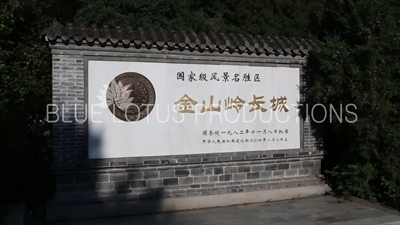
x: 163, y: 39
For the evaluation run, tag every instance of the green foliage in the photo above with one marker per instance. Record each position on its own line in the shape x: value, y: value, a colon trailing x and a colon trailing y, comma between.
x: 391, y: 192
x: 25, y: 90
x: 171, y: 14
x: 283, y: 17
x: 351, y: 180
x: 276, y: 17
x: 360, y: 65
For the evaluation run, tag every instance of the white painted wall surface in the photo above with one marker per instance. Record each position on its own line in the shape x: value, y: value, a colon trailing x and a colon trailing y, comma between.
x: 165, y: 131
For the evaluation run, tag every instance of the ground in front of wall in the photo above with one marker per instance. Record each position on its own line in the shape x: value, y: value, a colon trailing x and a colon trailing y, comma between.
x: 311, y: 211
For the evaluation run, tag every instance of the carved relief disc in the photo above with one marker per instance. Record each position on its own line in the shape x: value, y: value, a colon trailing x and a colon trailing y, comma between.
x: 130, y: 96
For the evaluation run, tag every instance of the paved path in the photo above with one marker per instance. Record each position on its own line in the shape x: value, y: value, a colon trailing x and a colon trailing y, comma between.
x: 320, y: 210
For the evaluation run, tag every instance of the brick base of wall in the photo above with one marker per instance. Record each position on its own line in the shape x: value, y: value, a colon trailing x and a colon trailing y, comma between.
x: 157, y: 182
x: 129, y: 208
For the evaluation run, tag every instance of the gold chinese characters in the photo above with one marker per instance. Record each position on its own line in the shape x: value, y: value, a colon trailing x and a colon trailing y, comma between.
x: 187, y: 104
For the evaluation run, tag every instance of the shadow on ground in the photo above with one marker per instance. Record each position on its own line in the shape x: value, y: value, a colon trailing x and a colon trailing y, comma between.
x: 311, y: 211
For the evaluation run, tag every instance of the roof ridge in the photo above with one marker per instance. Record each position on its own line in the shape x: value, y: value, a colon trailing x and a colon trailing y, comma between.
x: 179, y: 39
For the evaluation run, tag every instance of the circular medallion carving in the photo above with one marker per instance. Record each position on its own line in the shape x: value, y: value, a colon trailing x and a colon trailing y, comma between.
x: 130, y: 96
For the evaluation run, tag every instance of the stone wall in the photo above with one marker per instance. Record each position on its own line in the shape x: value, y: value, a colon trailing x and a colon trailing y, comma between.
x: 80, y: 180
x: 182, y: 177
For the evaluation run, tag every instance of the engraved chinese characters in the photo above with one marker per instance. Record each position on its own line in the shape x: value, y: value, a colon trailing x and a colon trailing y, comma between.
x: 257, y: 103
x: 130, y: 97
x: 245, y: 136
x: 224, y: 77
x: 187, y: 104
x: 246, y: 106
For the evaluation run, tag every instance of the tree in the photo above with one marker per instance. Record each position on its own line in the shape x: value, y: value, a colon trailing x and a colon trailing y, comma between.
x: 25, y: 90
x: 169, y: 14
x: 283, y: 17
x: 275, y: 17
x: 360, y: 65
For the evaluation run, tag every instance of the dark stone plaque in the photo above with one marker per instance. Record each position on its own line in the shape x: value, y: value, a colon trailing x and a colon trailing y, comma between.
x: 130, y: 96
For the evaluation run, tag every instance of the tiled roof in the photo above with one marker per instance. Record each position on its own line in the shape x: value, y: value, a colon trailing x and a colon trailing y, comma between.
x: 163, y: 39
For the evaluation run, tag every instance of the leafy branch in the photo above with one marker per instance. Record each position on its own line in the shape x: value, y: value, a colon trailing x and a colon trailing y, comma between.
x: 118, y: 94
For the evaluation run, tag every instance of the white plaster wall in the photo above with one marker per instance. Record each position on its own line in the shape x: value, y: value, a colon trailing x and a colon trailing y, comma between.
x: 165, y: 131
